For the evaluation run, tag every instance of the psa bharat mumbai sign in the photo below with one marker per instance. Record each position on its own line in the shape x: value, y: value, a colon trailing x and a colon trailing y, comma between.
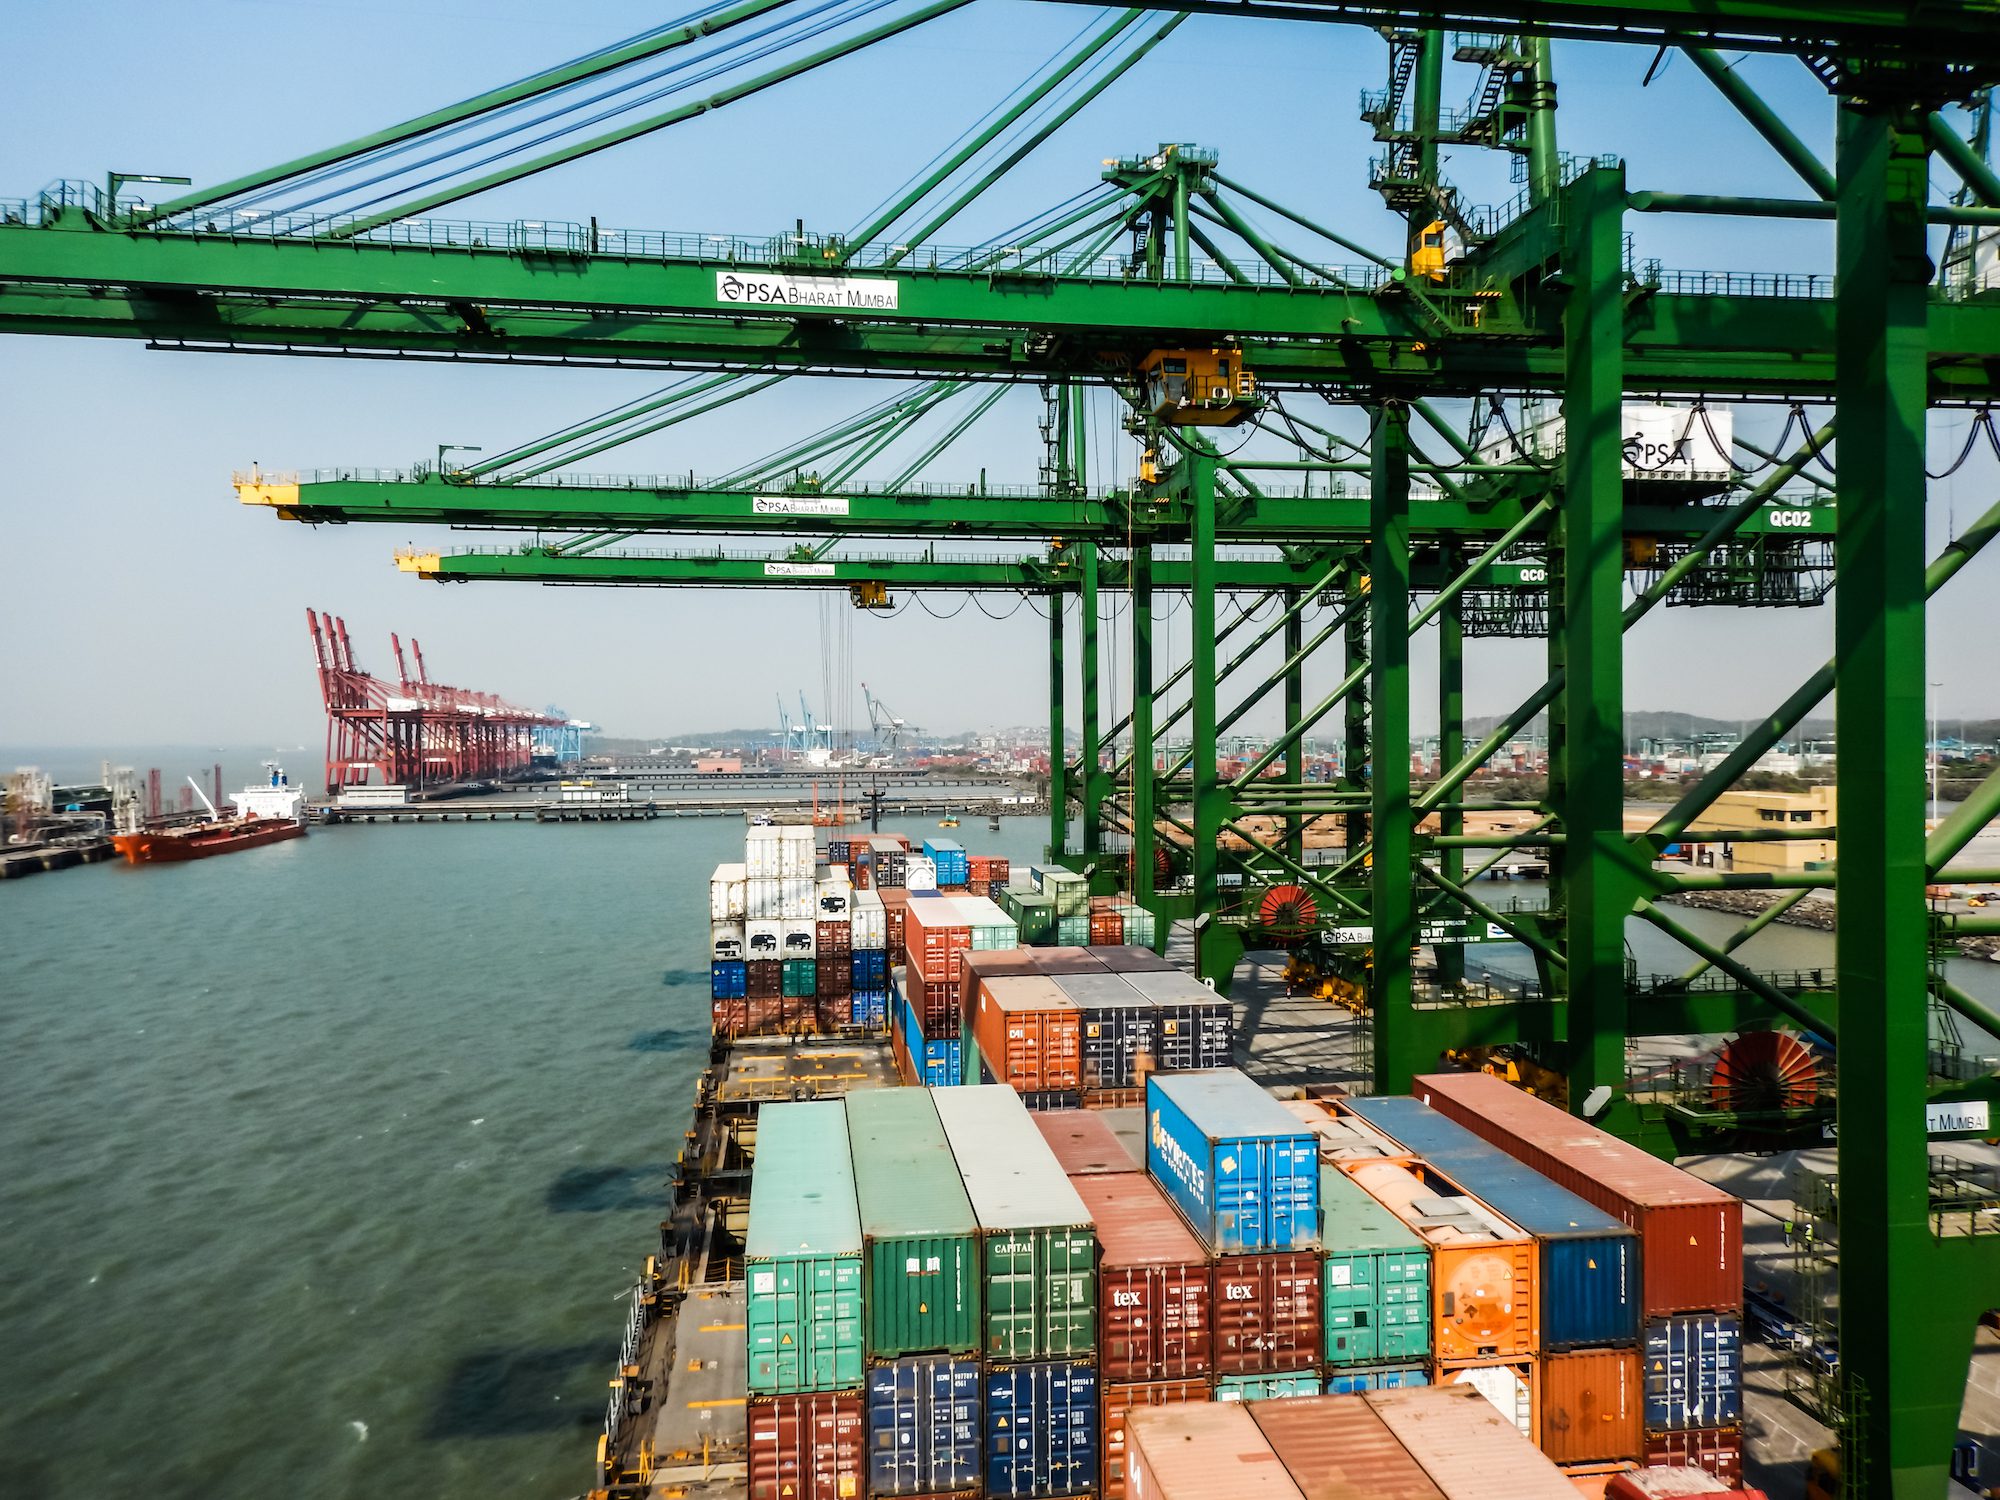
x: 859, y: 294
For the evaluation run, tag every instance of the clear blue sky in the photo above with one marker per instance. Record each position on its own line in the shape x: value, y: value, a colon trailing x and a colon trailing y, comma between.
x: 142, y: 605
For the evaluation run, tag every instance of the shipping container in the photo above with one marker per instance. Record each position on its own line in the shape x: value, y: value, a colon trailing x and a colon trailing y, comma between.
x: 1511, y: 1386
x: 940, y: 1005
x: 1084, y: 1144
x: 832, y: 939
x: 1344, y: 1139
x: 1039, y: 1255
x: 1119, y: 1030
x: 1267, y: 1312
x: 933, y: 937
x: 1133, y: 958
x: 920, y: 1242
x: 1141, y: 926
x: 1589, y: 1260
x: 831, y: 979
x: 802, y: 1253
x: 1691, y: 1234
x: 798, y: 939
x: 924, y: 1432
x: 805, y: 1447
x: 1028, y: 1032
x: 949, y: 858
x: 1239, y: 1168
x: 1466, y: 1447
x: 796, y: 854
x: 1670, y: 1484
x: 795, y: 898
x: 799, y: 978
x: 1358, y: 1378
x: 833, y: 899
x: 1073, y: 932
x: 760, y: 853
x: 1120, y: 1398
x: 992, y: 929
x: 1716, y: 1449
x: 1588, y: 1406
x: 1267, y: 1387
x: 1196, y: 1027
x: 1107, y: 929
x: 728, y: 980
x: 870, y: 922
x: 1694, y: 1372
x: 1032, y: 913
x: 765, y: 978
x: 919, y: 872
x: 1201, y: 1451
x: 765, y: 938
x: 1153, y: 1281
x: 726, y: 893
x: 725, y: 941
x: 869, y: 1010
x: 1377, y: 1293
x: 868, y: 969
x: 1041, y: 1428
x: 1068, y: 890
x: 936, y: 1063
x: 1339, y: 1450
x: 1484, y: 1299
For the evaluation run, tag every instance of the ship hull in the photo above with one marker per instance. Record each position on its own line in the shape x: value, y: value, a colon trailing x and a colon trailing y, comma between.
x: 156, y: 848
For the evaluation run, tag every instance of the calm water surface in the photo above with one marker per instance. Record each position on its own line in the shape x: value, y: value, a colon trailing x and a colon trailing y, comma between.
x: 327, y: 1165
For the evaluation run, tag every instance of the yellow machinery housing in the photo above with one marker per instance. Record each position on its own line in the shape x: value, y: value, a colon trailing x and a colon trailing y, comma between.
x: 1197, y: 387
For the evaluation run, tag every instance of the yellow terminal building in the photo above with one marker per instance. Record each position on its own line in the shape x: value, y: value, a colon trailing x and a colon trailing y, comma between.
x: 1755, y: 811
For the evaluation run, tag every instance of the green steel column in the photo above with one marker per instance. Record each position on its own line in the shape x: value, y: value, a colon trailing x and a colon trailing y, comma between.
x: 1183, y: 258
x: 1544, y: 161
x: 1145, y: 838
x: 1215, y: 945
x: 1425, y: 97
x: 1092, y: 783
x: 1295, y: 708
x: 1904, y: 1345
x: 1597, y: 883
x: 1392, y: 878
x: 1451, y: 745
x: 1354, y: 745
x: 1058, y: 744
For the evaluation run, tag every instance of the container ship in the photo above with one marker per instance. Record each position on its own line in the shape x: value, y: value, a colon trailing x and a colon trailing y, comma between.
x: 266, y: 814
x: 975, y: 1201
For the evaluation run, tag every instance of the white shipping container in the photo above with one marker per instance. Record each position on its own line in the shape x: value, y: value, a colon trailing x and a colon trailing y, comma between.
x: 871, y: 921
x: 796, y: 855
x: 919, y: 873
x: 766, y: 939
x: 1506, y: 1387
x: 725, y: 940
x: 798, y: 939
x: 761, y: 856
x: 763, y: 899
x: 719, y: 884
x: 835, y: 899
x: 795, y: 896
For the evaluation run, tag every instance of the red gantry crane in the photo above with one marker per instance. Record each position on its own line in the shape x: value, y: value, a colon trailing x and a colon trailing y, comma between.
x: 416, y: 732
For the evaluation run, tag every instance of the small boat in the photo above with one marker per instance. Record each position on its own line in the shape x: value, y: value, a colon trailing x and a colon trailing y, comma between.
x: 266, y: 814
x: 949, y: 820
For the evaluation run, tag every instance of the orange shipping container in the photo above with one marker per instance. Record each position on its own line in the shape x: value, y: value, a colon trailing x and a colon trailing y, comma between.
x: 934, y: 937
x: 1202, y: 1452
x: 1121, y: 1398
x: 1029, y: 1032
x: 1591, y: 1406
x: 1485, y: 1300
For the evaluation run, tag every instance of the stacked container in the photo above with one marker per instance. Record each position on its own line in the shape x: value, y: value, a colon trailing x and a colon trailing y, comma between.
x: 1245, y: 1177
x: 933, y: 937
x: 1691, y: 1258
x: 1465, y: 1447
x: 1120, y: 1401
x: 948, y: 859
x: 1377, y: 1289
x: 1084, y: 1145
x: 1195, y: 1027
x: 1039, y: 1291
x: 920, y: 1060
x: 868, y: 963
x: 1203, y: 1452
x: 803, y: 1308
x: 1340, y: 1450
x: 1027, y: 1032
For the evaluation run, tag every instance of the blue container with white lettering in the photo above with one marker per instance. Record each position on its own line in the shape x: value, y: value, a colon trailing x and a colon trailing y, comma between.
x: 869, y: 968
x: 1041, y: 1428
x: 1241, y: 1169
x: 1694, y: 1372
x: 869, y: 1009
x: 924, y: 1431
x: 1376, y: 1378
x: 935, y: 1064
x: 728, y: 979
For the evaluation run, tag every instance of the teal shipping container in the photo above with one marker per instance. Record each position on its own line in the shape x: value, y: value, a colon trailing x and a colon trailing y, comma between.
x: 1266, y: 1387
x: 1038, y: 1249
x: 798, y: 978
x: 802, y: 1254
x: 1377, y: 1301
x: 920, y: 1241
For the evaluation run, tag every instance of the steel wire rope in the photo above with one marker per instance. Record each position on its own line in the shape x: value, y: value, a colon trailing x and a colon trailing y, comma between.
x: 1981, y: 421
x: 1026, y: 228
x: 919, y: 599
x: 1499, y: 409
x: 1727, y: 449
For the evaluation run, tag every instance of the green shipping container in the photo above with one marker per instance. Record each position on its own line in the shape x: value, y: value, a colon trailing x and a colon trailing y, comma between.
x: 1073, y: 932
x: 802, y: 1255
x: 1266, y: 1387
x: 1034, y: 914
x: 798, y: 978
x: 1377, y: 1277
x: 920, y: 1242
x: 1038, y: 1248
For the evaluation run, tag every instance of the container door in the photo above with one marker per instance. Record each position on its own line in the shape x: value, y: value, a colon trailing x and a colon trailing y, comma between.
x: 1069, y: 1284
x: 1405, y: 1331
x: 1353, y: 1308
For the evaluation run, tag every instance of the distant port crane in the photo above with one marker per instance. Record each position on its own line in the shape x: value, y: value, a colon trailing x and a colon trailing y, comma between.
x: 890, y: 731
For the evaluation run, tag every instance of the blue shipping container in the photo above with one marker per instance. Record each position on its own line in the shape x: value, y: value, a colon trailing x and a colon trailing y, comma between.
x: 1590, y: 1261
x: 1376, y: 1378
x: 1241, y: 1169
x: 728, y: 979
x: 869, y: 969
x: 1694, y: 1371
x: 869, y: 1009
x: 1041, y: 1428
x: 937, y: 1063
x: 949, y: 857
x: 923, y: 1426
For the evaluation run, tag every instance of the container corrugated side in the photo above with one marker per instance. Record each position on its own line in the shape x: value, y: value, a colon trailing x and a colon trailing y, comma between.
x: 802, y: 1253
x: 1267, y: 1312
x: 1132, y: 958
x: 1590, y: 1261
x: 1339, y: 1450
x: 1588, y: 1407
x: 1241, y: 1170
x: 1041, y: 1428
x: 920, y: 1239
x: 805, y: 1447
x: 1691, y: 1254
x: 1716, y: 1449
x: 924, y: 1429
x: 1038, y: 1251
x: 1202, y: 1452
x: 1153, y: 1279
x: 1356, y: 1378
x: 1267, y: 1387
x: 1377, y: 1297
x: 1028, y: 1032
x: 1083, y: 1143
x: 1694, y: 1371
x: 1120, y: 1399
x: 1468, y: 1450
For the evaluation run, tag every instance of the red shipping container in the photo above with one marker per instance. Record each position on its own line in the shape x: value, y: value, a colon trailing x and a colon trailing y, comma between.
x: 1592, y: 1406
x: 764, y: 977
x: 1030, y: 1033
x: 833, y: 976
x: 1267, y: 1313
x: 999, y: 869
x: 1716, y: 1449
x: 863, y: 876
x: 938, y: 1004
x: 1691, y: 1233
x: 1336, y: 1448
x: 1153, y: 1282
x: 806, y: 1447
x: 728, y: 1017
x: 1213, y: 1452
x: 834, y: 1013
x: 978, y: 870
x: 1118, y: 1398
x: 934, y: 939
x: 832, y: 939
x: 1107, y: 929
x: 977, y: 964
x: 1084, y: 1144
x: 1114, y: 1098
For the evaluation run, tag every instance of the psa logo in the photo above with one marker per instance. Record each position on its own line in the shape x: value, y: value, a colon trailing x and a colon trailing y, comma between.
x: 1189, y: 1172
